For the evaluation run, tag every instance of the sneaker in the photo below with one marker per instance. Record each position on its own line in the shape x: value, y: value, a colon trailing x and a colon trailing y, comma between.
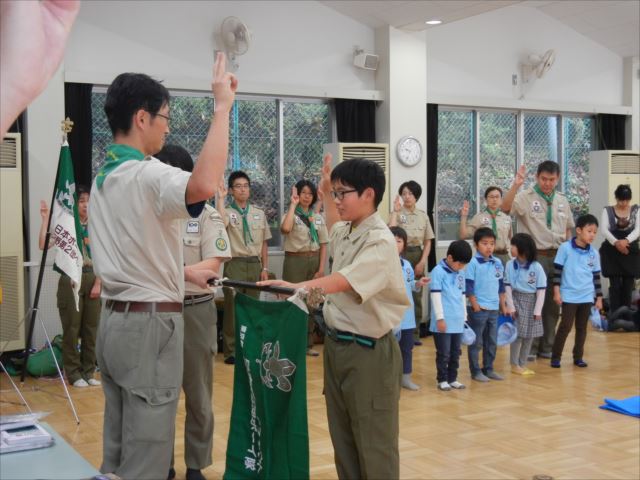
x: 555, y: 363
x: 93, y: 382
x: 528, y: 371
x: 80, y: 383
x: 480, y: 377
x: 517, y: 369
x: 494, y: 376
x: 544, y: 354
x: 457, y: 385
x: 580, y: 363
x: 444, y: 386
x: 312, y: 353
x: 194, y: 474
x: 417, y: 343
x: 531, y: 358
x: 230, y: 360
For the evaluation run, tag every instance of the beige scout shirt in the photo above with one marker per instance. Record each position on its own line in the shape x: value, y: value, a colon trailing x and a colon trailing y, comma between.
x: 530, y: 209
x: 260, y: 231
x: 503, y: 223
x: 299, y: 238
x: 136, y: 242
x: 204, y: 237
x: 417, y: 226
x: 368, y: 258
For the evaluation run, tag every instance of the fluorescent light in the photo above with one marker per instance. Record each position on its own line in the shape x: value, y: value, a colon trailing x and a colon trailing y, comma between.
x: 433, y: 22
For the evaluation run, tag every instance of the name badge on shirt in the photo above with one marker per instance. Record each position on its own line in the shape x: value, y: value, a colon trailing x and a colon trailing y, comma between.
x: 592, y: 259
x: 532, y: 278
x: 297, y: 220
x: 461, y: 282
x: 256, y: 216
x: 403, y: 219
x: 234, y: 218
x: 485, y: 221
x: 318, y: 221
x: 193, y: 226
x: 498, y: 272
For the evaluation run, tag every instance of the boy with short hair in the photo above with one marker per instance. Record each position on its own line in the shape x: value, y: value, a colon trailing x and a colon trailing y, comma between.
x: 449, y: 312
x: 485, y: 291
x: 576, y: 282
x: 366, y: 299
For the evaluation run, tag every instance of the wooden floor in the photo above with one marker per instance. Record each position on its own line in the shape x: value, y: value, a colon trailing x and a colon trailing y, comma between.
x: 546, y: 424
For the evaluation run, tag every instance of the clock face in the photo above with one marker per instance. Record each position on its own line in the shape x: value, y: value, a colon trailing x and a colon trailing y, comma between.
x: 409, y: 151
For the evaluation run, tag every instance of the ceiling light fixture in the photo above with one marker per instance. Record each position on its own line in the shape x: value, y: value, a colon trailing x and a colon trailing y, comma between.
x: 433, y: 22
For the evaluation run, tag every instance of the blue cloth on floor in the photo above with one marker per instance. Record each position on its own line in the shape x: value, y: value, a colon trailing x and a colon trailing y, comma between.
x: 629, y: 406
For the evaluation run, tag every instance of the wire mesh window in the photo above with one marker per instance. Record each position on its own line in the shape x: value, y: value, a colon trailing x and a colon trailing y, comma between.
x: 456, y: 169
x: 578, y: 142
x: 256, y: 136
x: 477, y: 149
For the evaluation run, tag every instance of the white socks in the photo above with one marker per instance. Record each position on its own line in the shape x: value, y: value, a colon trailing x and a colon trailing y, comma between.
x: 407, y: 383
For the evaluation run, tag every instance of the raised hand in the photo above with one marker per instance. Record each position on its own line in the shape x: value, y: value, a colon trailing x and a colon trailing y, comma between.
x: 44, y: 210
x: 222, y: 189
x: 518, y: 181
x: 325, y: 180
x: 295, y: 198
x: 397, y: 204
x: 32, y: 40
x: 464, y: 211
x: 223, y: 85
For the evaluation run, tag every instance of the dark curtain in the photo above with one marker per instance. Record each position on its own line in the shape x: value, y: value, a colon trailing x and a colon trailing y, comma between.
x: 356, y: 120
x: 432, y: 173
x: 610, y: 131
x: 77, y: 106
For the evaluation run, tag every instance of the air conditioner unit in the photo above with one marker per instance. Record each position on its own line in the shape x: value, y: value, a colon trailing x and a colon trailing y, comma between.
x: 607, y: 170
x: 11, y: 244
x: 376, y: 152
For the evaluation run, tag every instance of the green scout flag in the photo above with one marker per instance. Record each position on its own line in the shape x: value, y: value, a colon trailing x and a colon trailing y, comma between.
x: 66, y: 230
x: 268, y: 435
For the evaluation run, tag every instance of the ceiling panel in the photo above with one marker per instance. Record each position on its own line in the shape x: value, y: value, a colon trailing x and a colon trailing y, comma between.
x: 614, y: 24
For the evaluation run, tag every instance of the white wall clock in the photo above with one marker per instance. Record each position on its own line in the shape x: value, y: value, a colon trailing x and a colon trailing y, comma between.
x: 409, y: 151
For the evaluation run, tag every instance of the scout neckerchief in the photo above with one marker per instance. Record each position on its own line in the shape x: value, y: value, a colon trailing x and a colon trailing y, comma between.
x: 494, y: 214
x: 117, y: 154
x: 246, y: 232
x: 307, y: 219
x: 549, y: 200
x: 85, y: 235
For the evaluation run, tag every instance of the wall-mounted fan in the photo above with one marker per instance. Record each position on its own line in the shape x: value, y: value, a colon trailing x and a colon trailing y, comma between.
x: 537, y: 65
x: 234, y: 38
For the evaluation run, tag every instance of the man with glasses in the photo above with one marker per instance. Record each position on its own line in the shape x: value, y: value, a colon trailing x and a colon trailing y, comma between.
x: 248, y: 232
x: 137, y: 205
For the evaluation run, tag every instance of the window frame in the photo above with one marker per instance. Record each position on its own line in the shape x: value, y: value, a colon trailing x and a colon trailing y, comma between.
x: 520, y: 115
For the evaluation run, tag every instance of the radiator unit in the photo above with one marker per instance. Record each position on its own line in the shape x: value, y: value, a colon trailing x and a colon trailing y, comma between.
x: 607, y: 170
x: 377, y: 152
x: 11, y: 247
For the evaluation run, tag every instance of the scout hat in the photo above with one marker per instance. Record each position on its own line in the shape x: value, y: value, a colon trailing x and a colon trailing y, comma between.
x: 507, y: 331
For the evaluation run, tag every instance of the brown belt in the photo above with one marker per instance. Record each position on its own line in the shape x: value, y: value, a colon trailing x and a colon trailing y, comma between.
x: 162, y: 307
x: 550, y: 252
x: 301, y: 254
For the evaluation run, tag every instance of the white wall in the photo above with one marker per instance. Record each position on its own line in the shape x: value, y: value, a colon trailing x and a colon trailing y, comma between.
x: 298, y: 47
x: 472, y: 60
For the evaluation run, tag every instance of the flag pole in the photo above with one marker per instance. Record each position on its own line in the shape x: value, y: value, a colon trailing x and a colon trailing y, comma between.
x: 66, y: 127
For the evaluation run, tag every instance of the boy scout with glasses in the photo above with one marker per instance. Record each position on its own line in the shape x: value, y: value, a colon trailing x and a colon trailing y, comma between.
x: 366, y: 299
x: 545, y: 214
x: 248, y: 233
x: 206, y: 245
x: 137, y: 204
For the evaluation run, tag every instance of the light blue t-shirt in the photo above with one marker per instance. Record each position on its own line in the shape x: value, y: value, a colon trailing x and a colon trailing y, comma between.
x: 525, y: 278
x: 578, y: 266
x: 451, y: 286
x: 485, y: 280
x: 409, y: 319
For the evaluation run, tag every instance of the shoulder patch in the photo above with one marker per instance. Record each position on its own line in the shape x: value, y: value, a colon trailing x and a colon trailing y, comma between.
x: 221, y: 244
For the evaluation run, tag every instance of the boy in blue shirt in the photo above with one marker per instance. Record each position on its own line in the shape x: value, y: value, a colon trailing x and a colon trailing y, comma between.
x: 449, y: 312
x: 576, y: 283
x: 485, y: 291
